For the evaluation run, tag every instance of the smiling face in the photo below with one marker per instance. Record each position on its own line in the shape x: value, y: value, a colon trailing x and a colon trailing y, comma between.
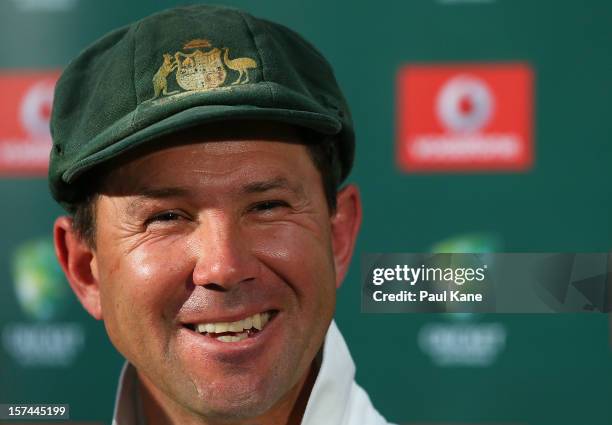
x: 193, y: 239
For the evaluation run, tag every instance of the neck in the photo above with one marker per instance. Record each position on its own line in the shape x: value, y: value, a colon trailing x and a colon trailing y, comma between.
x: 160, y: 410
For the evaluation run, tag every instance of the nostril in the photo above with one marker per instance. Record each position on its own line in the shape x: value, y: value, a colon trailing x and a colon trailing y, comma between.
x: 224, y: 287
x: 215, y: 287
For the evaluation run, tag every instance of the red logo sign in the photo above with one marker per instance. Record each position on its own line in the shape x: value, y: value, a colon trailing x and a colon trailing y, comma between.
x: 25, y: 110
x: 472, y: 117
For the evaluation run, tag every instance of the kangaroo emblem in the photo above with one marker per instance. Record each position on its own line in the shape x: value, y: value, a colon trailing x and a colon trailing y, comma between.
x: 201, y: 67
x: 160, y: 81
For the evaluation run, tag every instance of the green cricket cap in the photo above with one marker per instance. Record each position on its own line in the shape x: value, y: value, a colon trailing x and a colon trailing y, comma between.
x: 181, y: 68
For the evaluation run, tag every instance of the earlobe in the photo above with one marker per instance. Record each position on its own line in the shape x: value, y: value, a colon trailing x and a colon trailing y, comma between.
x: 345, y: 227
x: 78, y: 261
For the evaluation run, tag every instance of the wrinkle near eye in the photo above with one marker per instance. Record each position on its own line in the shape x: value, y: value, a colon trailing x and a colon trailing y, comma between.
x: 128, y: 228
x: 140, y: 240
x: 303, y: 216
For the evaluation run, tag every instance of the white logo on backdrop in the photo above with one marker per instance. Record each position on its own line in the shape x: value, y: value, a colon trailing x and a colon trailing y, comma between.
x: 35, y: 110
x: 465, y: 343
x: 465, y: 104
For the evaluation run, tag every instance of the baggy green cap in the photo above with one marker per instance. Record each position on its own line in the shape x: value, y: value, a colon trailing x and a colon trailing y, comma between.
x: 184, y: 67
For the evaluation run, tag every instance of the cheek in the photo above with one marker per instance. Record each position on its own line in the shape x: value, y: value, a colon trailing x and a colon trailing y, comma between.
x: 137, y: 292
x: 302, y: 258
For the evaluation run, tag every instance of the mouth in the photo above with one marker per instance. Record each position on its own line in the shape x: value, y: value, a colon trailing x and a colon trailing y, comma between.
x: 231, y: 332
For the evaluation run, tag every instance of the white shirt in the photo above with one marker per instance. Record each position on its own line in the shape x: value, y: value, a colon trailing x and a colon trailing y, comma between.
x: 335, y: 399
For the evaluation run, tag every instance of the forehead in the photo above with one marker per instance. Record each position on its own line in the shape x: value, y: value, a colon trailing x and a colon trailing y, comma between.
x: 222, y: 154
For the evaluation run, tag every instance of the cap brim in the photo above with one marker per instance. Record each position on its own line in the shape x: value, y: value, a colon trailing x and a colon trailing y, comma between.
x: 197, y: 115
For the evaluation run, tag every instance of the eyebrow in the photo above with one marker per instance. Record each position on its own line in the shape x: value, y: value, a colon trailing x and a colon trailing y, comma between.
x: 250, y: 188
x: 274, y: 183
x: 155, y: 193
x: 163, y: 192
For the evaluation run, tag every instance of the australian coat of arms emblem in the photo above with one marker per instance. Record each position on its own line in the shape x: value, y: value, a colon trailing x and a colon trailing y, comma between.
x: 199, y: 69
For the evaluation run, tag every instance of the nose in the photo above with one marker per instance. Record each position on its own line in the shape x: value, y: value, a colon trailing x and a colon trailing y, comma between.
x: 223, y: 257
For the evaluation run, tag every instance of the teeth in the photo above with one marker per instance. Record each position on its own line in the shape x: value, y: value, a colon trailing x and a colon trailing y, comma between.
x: 233, y: 338
x: 222, y: 327
x: 257, y: 321
x: 235, y: 326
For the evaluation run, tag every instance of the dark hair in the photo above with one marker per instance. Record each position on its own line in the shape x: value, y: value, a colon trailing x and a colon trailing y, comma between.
x: 322, y: 151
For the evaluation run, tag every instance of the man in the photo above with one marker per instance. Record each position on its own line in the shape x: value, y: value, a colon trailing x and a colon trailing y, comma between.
x: 199, y: 152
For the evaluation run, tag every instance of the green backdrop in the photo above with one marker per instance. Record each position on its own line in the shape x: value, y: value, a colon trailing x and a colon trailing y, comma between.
x: 512, y: 369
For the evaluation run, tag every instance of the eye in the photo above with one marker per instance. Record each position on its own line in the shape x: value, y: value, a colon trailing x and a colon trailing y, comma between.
x: 165, y: 216
x: 268, y: 205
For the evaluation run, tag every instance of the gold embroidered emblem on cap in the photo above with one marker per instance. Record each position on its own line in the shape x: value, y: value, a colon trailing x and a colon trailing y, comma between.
x: 199, y: 70
x: 160, y: 82
x: 239, y: 64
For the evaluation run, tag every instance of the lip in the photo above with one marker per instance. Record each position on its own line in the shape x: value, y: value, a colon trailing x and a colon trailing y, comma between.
x: 237, y: 351
x: 191, y: 321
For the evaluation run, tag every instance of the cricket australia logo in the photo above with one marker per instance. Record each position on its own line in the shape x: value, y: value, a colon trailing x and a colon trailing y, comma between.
x: 198, y: 69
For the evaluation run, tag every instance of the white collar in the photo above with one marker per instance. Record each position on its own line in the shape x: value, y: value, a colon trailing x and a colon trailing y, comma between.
x: 330, y: 393
x: 327, y: 403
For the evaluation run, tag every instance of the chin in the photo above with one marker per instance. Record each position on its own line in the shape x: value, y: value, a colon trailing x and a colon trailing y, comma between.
x: 236, y: 403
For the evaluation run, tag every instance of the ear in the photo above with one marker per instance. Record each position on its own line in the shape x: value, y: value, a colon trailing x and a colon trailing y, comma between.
x: 345, y: 225
x: 78, y: 261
